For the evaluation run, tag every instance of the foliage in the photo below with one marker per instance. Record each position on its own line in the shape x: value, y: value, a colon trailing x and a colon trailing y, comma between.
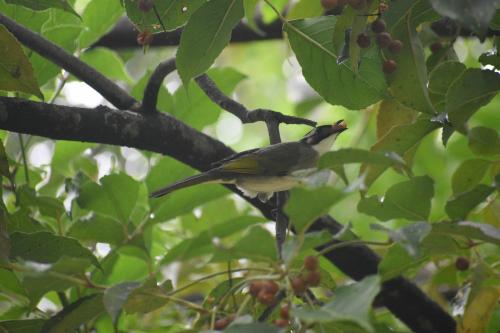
x: 83, y: 247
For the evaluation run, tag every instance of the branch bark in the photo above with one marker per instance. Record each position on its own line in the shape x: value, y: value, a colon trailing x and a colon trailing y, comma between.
x: 161, y: 133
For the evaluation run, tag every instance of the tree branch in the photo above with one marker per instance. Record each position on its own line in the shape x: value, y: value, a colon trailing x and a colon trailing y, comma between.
x: 163, y: 134
x: 150, y: 99
x: 107, y: 88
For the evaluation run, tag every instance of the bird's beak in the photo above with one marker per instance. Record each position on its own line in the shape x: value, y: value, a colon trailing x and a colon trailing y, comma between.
x: 339, y: 126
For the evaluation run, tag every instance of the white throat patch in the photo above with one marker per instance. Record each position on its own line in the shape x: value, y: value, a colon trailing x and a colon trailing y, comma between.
x: 325, y: 145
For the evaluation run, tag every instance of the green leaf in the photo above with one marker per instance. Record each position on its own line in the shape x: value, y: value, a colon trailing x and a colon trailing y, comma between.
x: 4, y: 163
x: 98, y: 18
x: 304, y: 9
x: 409, y: 200
x: 475, y: 16
x: 206, y: 34
x: 96, y: 229
x: 44, y: 4
x: 392, y: 113
x: 173, y: 14
x: 484, y: 141
x: 202, y: 244
x: 146, y: 298
x: 469, y: 174
x: 397, y: 261
x: 9, y: 282
x: 472, y: 90
x: 16, y: 73
x: 74, y: 315
x: 22, y: 326
x: 467, y: 229
x: 48, y: 206
x: 410, y: 236
x: 252, y: 328
x: 459, y: 206
x: 440, y: 80
x: 351, y: 303
x: 492, y: 59
x: 107, y: 62
x: 354, y: 155
x: 399, y: 140
x: 408, y: 84
x: 116, y: 197
x: 306, y: 205
x: 250, y: 7
x: 116, y: 296
x: 44, y: 247
x: 22, y: 221
x: 311, y: 41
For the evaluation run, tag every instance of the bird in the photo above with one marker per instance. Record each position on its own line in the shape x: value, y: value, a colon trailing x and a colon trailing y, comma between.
x: 261, y: 172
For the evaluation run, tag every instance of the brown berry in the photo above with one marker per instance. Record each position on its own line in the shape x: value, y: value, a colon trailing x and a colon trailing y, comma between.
x: 313, y: 278
x: 256, y: 287
x: 329, y: 4
x: 270, y: 287
x: 395, y: 46
x: 146, y: 5
x: 222, y: 323
x: 383, y: 39
x: 389, y: 66
x: 298, y: 285
x: 435, y: 47
x: 144, y: 37
x: 311, y: 263
x: 280, y: 322
x: 285, y: 312
x: 378, y: 26
x: 357, y: 4
x: 363, y: 41
x: 462, y: 263
x: 265, y: 298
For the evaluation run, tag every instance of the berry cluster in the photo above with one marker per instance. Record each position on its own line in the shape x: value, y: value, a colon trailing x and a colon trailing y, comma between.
x: 384, y: 40
x: 309, y: 278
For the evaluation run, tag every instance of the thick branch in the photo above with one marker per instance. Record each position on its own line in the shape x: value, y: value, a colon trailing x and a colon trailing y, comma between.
x: 107, y: 88
x: 161, y: 133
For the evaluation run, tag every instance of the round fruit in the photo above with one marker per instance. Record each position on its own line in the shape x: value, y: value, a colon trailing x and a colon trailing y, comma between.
x: 389, y: 66
x: 363, y: 41
x: 146, y: 5
x: 221, y: 324
x: 378, y: 26
x: 311, y: 263
x: 395, y: 46
x: 313, y: 278
x: 357, y: 4
x: 265, y: 298
x: 435, y: 47
x: 280, y: 322
x: 144, y: 37
x: 462, y: 263
x: 298, y: 285
x: 270, y: 287
x: 256, y: 287
x: 329, y: 4
x: 285, y: 312
x: 384, y: 39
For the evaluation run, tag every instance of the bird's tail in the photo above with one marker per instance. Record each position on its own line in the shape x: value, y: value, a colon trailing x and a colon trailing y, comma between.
x: 190, y: 181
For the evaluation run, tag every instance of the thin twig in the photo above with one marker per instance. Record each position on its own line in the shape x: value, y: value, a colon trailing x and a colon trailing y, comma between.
x: 150, y: 99
x: 107, y: 88
x: 25, y: 161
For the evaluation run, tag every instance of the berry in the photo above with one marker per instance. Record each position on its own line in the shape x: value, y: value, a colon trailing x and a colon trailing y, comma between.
x: 384, y: 39
x: 311, y: 263
x: 378, y: 26
x: 144, y: 37
x: 256, y: 287
x: 265, y: 298
x: 285, y: 312
x: 270, y: 287
x: 389, y: 66
x: 395, y: 46
x: 435, y: 47
x: 462, y: 263
x: 280, y: 322
x: 363, y: 41
x: 298, y: 285
x: 313, y: 278
x: 357, y: 4
x: 329, y: 4
x: 146, y: 5
x: 222, y: 323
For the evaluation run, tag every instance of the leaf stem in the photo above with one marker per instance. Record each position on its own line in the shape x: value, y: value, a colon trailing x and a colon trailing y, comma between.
x: 350, y: 243
x: 23, y: 155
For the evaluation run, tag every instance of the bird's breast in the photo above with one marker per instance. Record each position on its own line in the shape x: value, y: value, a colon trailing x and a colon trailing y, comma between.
x: 267, y: 183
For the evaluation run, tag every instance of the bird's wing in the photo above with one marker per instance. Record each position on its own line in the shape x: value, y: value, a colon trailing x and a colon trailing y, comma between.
x: 233, y: 157
x: 275, y: 160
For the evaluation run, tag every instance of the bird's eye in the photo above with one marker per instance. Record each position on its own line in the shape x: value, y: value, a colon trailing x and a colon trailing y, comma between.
x: 339, y: 122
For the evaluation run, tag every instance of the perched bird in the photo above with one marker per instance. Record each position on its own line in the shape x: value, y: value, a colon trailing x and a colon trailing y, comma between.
x: 262, y: 171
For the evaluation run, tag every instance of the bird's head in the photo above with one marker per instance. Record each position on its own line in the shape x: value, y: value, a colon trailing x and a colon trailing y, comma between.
x: 322, y: 137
